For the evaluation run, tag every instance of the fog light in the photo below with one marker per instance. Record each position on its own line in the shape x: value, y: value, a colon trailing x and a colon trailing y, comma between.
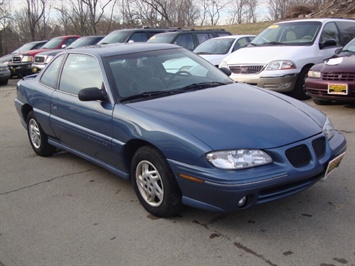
x: 242, y: 202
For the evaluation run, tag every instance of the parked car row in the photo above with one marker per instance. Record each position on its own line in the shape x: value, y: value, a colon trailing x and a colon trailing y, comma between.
x: 280, y: 57
x: 265, y: 61
x: 21, y: 64
x: 32, y: 60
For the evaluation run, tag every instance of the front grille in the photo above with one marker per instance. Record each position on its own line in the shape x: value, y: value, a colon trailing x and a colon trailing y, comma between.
x: 16, y: 59
x: 241, y: 69
x: 338, y: 76
x: 319, y: 147
x: 39, y: 59
x: 299, y: 156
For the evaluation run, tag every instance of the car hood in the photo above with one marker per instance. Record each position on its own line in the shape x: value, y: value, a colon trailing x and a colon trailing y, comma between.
x: 337, y: 64
x: 34, y: 52
x: 214, y: 59
x: 264, y: 54
x: 236, y: 116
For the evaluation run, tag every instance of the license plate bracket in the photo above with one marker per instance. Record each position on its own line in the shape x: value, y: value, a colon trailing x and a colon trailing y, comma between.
x: 338, y: 88
x: 333, y: 164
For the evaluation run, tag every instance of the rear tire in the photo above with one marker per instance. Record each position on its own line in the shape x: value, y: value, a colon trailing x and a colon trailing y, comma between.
x: 154, y: 183
x: 37, y: 137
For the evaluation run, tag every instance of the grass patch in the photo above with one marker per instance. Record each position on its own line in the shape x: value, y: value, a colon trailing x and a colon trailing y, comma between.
x: 248, y: 28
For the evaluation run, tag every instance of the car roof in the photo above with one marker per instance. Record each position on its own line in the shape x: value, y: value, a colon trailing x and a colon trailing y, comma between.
x: 233, y: 36
x: 142, y: 29
x: 175, y: 32
x: 323, y: 20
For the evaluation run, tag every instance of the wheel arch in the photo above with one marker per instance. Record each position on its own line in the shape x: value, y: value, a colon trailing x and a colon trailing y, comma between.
x: 131, y: 148
x: 25, y: 110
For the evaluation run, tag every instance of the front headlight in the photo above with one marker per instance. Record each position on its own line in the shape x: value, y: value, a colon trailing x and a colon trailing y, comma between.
x: 314, y: 74
x: 238, y: 159
x: 27, y: 58
x: 280, y: 65
x: 328, y: 129
x: 223, y: 64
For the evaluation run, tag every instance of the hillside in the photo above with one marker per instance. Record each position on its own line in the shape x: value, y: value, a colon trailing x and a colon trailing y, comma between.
x: 330, y: 8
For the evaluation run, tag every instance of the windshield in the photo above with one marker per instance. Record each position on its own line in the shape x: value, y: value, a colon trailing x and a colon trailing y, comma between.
x: 161, y: 73
x: 115, y: 37
x: 215, y: 46
x: 25, y: 47
x: 291, y: 33
x: 350, y: 47
x: 53, y: 43
x: 83, y: 41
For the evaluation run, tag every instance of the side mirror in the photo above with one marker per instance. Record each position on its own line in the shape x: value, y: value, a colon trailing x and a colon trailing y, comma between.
x: 64, y: 46
x: 91, y: 94
x: 226, y: 71
x: 328, y: 43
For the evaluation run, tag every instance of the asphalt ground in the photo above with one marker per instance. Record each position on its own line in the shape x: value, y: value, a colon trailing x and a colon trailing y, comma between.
x: 63, y: 210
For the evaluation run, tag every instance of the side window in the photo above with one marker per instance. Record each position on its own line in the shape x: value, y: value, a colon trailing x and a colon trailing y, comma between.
x: 139, y: 37
x: 50, y: 75
x: 79, y: 72
x: 242, y: 42
x: 202, y: 37
x: 330, y: 32
x: 186, y: 41
x: 69, y: 41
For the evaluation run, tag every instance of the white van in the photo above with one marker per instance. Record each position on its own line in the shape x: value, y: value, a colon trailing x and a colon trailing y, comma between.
x: 280, y: 57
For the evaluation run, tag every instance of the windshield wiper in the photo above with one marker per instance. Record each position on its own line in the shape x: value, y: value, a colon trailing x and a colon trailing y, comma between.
x: 203, y: 53
x: 191, y: 87
x: 273, y: 43
x: 147, y: 95
x: 202, y: 85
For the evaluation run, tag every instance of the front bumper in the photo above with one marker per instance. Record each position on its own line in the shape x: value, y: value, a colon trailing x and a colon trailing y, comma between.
x: 318, y: 89
x: 36, y: 68
x: 221, y: 190
x: 20, y: 69
x: 279, y: 83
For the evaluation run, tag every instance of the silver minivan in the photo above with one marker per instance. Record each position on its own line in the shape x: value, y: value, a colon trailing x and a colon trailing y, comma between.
x: 279, y: 57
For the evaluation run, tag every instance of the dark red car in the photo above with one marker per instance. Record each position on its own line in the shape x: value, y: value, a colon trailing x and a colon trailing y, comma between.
x: 334, y: 80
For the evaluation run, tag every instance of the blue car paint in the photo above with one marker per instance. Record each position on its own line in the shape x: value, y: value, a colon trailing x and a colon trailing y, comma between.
x: 184, y: 128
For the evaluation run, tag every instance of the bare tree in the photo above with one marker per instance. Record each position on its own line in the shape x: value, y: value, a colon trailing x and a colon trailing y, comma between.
x: 251, y: 7
x: 96, y: 10
x: 170, y: 13
x: 211, y: 11
x: 35, y: 12
x: 238, y: 11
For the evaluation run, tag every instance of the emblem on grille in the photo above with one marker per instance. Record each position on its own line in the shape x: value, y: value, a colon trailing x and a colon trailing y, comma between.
x: 243, y: 69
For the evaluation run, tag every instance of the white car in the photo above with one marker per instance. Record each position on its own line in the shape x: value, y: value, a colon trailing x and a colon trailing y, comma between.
x: 279, y: 58
x: 214, y: 50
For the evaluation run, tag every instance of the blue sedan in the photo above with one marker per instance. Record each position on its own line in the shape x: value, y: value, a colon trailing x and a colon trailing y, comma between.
x: 180, y: 129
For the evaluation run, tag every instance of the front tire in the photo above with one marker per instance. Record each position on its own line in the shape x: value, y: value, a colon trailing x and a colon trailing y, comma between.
x: 299, y: 91
x: 321, y: 102
x: 154, y: 183
x: 37, y: 137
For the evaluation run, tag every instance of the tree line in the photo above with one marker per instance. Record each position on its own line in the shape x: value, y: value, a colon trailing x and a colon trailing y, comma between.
x: 22, y: 21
